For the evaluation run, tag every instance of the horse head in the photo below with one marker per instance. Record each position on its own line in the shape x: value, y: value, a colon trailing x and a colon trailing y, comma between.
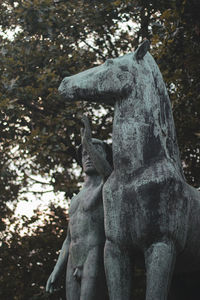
x: 106, y: 83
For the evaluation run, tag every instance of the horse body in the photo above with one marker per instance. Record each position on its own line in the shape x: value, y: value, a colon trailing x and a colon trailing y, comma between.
x: 147, y: 203
x: 146, y: 160
x: 189, y: 258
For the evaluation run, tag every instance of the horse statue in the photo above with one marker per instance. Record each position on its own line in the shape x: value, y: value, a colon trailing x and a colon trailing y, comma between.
x: 149, y: 208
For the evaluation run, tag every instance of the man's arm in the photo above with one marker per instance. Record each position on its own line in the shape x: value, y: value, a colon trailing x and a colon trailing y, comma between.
x: 60, y: 265
x: 101, y: 164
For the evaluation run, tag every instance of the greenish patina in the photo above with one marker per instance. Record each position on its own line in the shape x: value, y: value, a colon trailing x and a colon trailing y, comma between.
x: 82, y: 250
x: 148, y: 206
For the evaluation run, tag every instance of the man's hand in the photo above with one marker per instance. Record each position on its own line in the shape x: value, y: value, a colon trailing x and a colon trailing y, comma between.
x: 86, y: 134
x: 51, y: 285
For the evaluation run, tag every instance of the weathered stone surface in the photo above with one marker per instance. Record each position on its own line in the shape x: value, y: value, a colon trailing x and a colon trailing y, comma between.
x: 148, y: 206
x: 82, y: 250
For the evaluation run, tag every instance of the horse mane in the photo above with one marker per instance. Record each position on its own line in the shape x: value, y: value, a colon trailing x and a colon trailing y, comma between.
x: 166, y: 120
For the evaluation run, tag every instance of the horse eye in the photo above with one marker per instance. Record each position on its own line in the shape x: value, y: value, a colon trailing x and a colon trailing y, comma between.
x: 109, y: 61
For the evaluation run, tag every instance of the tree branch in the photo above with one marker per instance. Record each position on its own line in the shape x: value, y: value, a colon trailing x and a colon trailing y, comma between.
x: 94, y: 49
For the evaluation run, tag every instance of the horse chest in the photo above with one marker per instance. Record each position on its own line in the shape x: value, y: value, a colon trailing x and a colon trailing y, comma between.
x: 137, y: 139
x: 149, y: 205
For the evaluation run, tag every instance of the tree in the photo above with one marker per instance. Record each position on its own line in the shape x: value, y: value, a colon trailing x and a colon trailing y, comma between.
x: 28, y: 258
x: 177, y: 54
x: 56, y: 38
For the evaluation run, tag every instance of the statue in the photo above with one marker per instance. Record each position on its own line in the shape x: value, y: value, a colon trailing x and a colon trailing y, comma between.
x: 149, y: 208
x: 82, y: 250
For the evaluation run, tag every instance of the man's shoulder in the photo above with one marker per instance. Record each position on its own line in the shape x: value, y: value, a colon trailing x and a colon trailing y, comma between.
x: 75, y: 201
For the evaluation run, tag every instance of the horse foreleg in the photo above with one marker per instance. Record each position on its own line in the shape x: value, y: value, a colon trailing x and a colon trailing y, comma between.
x: 159, y: 261
x: 119, y: 272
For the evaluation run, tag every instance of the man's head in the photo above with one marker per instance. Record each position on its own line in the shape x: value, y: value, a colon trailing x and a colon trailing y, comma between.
x: 84, y: 159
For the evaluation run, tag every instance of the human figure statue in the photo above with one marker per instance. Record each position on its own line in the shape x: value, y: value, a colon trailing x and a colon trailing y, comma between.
x: 82, y: 250
x: 149, y: 209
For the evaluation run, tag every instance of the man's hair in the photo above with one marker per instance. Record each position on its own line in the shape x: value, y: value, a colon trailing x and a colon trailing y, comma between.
x: 107, y: 148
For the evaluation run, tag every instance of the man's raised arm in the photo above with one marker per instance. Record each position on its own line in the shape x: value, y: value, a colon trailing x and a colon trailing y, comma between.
x: 100, y: 162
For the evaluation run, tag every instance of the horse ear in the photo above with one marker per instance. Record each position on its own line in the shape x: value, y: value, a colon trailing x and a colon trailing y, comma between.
x: 142, y: 50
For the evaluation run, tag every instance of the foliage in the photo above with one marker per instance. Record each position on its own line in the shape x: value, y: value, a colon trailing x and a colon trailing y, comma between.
x: 178, y: 55
x: 54, y: 39
x: 39, y: 133
x: 27, y: 260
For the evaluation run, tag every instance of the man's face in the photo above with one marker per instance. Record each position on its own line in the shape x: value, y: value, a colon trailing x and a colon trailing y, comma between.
x: 87, y: 164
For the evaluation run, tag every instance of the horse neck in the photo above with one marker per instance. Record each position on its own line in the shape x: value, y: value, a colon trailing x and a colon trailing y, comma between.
x: 144, y: 122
